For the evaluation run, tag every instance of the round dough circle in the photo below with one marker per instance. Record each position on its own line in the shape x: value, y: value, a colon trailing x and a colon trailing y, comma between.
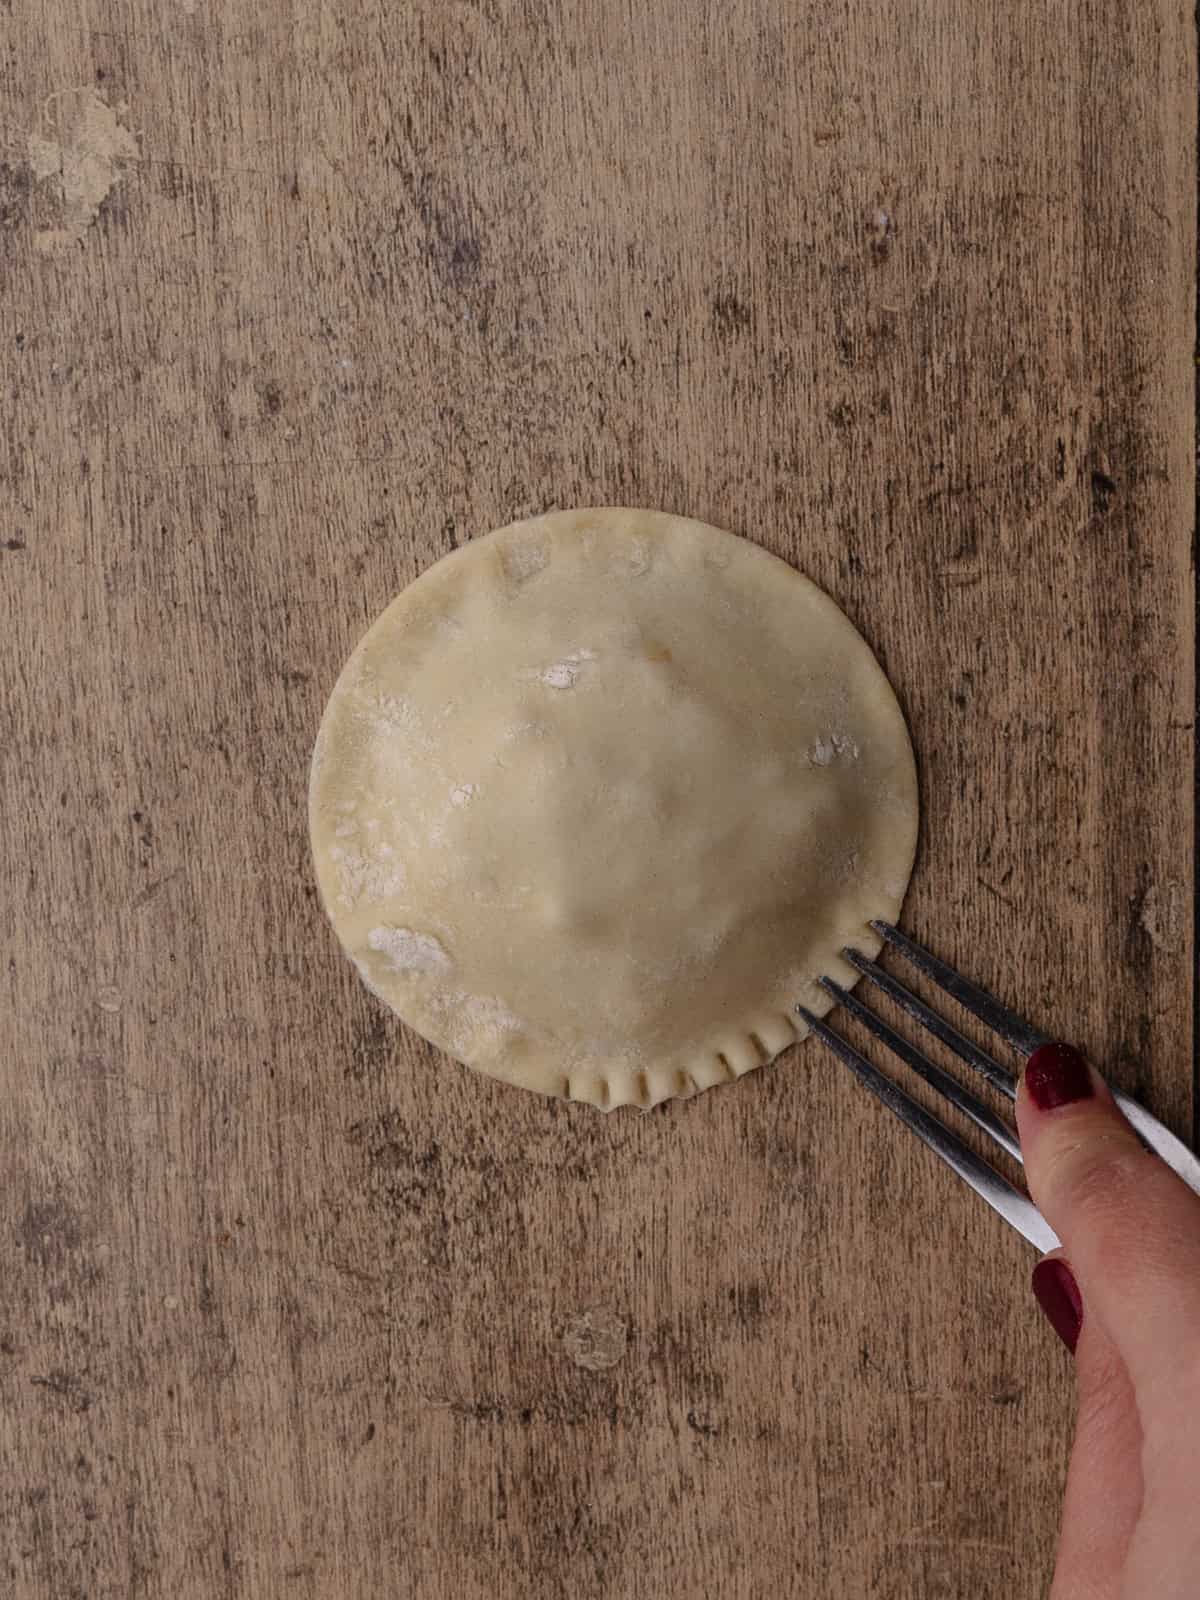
x: 601, y: 796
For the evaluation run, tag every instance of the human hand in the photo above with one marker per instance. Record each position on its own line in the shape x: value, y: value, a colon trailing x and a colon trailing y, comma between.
x: 1128, y: 1305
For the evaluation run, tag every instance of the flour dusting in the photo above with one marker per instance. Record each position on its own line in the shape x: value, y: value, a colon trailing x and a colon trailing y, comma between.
x: 82, y: 152
x: 837, y: 747
x: 524, y: 561
x: 366, y: 876
x: 480, y: 1026
x: 408, y: 951
x: 390, y: 715
x: 562, y: 674
x: 640, y: 559
x: 463, y: 794
x: 484, y: 1011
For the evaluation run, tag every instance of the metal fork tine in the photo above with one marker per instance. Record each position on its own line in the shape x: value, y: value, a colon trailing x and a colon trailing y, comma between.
x: 977, y: 1001
x: 1015, y: 1207
x: 1011, y: 1203
x: 950, y: 1088
x: 1023, y: 1038
x: 999, y: 1077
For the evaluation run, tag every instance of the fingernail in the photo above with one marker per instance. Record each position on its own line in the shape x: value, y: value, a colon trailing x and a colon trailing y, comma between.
x: 1057, y: 1293
x: 1057, y: 1075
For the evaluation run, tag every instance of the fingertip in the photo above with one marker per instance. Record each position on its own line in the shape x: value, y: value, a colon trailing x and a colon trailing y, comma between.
x: 1057, y: 1079
x: 1057, y: 1075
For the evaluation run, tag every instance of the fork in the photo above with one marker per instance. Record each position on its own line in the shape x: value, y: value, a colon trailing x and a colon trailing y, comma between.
x: 1012, y: 1203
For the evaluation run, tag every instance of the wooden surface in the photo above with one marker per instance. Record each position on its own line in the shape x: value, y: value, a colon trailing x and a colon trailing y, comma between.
x: 292, y: 300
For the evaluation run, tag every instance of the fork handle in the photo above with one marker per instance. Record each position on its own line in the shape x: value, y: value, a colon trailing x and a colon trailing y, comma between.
x: 1161, y: 1140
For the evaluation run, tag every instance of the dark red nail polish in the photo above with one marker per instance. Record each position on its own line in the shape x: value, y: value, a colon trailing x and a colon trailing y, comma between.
x: 1057, y: 1293
x: 1057, y: 1075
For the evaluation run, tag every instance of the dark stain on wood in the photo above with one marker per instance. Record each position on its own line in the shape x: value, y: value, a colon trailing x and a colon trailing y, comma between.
x: 16, y: 181
x: 1104, y: 488
x: 48, y: 1231
x: 731, y: 316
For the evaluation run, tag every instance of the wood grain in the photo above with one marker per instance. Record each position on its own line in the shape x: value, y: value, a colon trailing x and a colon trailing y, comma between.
x: 904, y: 292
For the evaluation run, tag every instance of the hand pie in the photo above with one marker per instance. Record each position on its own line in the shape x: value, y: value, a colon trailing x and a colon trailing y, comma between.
x: 600, y: 797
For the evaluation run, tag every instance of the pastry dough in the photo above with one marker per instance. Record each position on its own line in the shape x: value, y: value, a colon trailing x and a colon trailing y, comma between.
x: 601, y: 796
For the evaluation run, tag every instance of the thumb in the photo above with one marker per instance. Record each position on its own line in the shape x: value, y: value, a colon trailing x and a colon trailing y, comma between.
x: 1129, y: 1227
